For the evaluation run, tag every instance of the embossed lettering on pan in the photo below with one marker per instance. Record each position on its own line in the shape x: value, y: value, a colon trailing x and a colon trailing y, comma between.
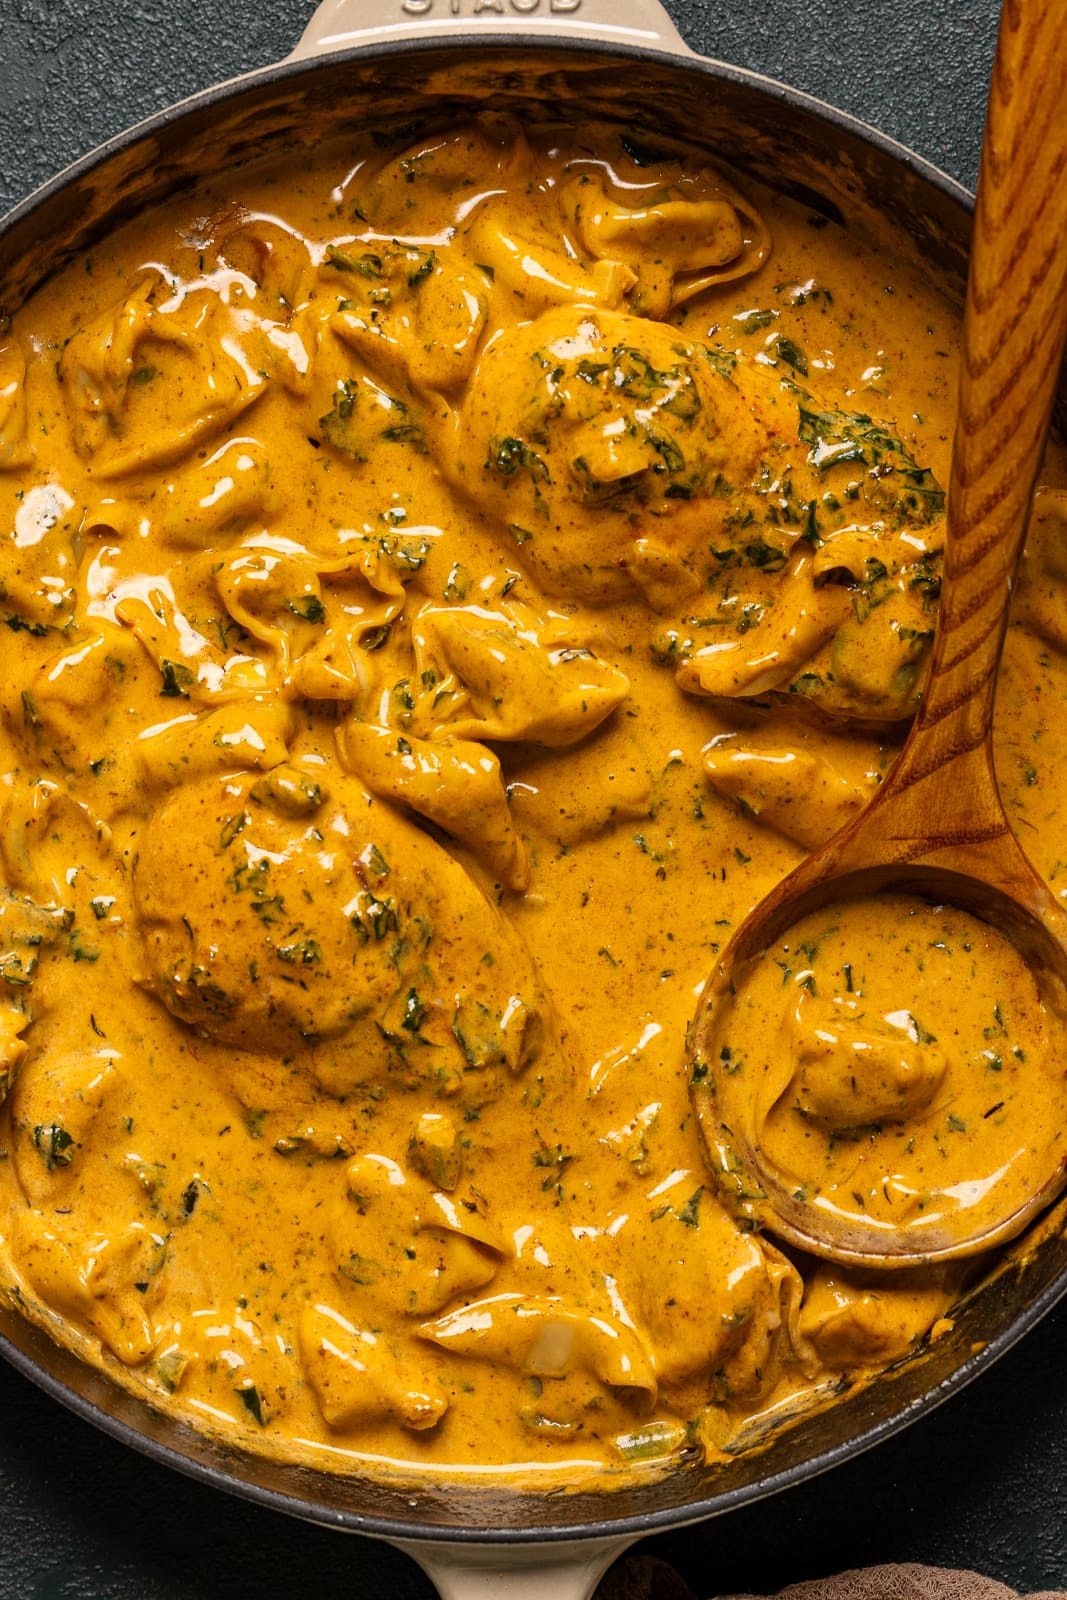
x: 475, y: 8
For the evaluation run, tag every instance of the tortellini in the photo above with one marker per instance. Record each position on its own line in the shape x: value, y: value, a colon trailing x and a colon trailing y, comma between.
x: 678, y: 241
x: 801, y: 794
x: 453, y: 782
x: 196, y: 347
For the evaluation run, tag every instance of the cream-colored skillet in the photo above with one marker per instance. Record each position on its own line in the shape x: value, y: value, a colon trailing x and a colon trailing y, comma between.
x: 614, y: 58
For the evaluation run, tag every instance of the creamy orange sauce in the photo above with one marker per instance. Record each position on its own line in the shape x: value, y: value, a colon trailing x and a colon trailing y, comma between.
x: 446, y: 586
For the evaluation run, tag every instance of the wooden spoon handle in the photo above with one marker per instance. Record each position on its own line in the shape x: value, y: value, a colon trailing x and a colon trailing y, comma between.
x: 1013, y: 338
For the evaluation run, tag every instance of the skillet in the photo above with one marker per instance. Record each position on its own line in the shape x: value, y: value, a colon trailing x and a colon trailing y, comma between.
x: 835, y: 164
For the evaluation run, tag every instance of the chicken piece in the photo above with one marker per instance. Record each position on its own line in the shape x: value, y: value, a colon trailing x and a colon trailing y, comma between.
x: 40, y: 561
x: 42, y: 828
x: 528, y: 265
x: 699, y: 1281
x: 191, y: 664
x: 79, y: 703
x: 435, y: 1149
x: 272, y: 261
x: 825, y: 576
x: 768, y: 656
x: 397, y: 1243
x: 319, y: 926
x: 858, y: 1320
x: 25, y: 930
x: 95, y: 1281
x: 357, y: 1378
x: 216, y: 500
x: 585, y: 430
x: 852, y: 1071
x: 414, y: 317
x: 250, y: 733
x: 442, y: 166
x: 58, y: 1098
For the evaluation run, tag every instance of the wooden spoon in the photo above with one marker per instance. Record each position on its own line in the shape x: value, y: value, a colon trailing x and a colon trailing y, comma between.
x: 937, y: 828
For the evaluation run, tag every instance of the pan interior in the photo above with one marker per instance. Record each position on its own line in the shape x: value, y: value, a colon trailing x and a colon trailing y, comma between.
x: 843, y: 172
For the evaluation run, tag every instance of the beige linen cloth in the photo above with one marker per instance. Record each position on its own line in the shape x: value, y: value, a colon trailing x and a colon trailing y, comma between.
x: 641, y: 1577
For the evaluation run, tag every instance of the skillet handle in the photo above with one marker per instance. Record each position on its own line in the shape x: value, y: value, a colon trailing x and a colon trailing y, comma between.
x: 340, y: 24
x: 565, y: 1571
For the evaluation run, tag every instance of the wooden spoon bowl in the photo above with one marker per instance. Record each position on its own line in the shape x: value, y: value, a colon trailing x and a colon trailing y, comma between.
x: 937, y: 828
x: 768, y: 1195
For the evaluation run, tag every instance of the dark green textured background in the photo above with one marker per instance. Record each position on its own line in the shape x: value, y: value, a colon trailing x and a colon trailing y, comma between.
x: 983, y: 1482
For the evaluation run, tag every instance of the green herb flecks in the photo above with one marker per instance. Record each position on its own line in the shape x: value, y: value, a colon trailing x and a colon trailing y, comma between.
x: 730, y: 1061
x: 16, y: 971
x: 509, y: 456
x: 922, y: 1035
x: 54, y: 1145
x: 367, y: 265
x: 555, y: 1160
x: 170, y: 1368
x: 358, y: 1269
x: 253, y: 878
x: 838, y: 438
x: 308, y: 607
x: 300, y: 953
x: 756, y: 320
x: 415, y: 1012
x: 793, y: 356
x: 250, y: 1398
x: 375, y: 919
x: 652, y: 1442
x: 178, y: 679
x: 232, y: 828
x: 373, y: 859
x: 339, y: 424
x: 459, y: 582
x: 409, y: 433
x: 422, y: 269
